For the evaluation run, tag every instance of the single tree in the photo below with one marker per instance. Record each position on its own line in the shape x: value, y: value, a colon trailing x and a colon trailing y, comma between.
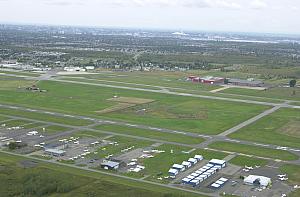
x: 293, y: 83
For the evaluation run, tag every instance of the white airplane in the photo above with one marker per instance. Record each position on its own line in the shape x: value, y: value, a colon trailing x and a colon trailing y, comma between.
x: 281, y: 175
x: 249, y: 167
x: 283, y: 179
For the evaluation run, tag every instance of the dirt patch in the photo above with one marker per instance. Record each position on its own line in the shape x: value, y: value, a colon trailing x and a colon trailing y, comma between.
x: 131, y: 100
x: 119, y: 106
x: 292, y: 128
x: 28, y: 164
x: 124, y: 103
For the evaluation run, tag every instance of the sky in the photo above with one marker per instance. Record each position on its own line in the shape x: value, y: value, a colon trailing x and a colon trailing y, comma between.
x: 261, y: 16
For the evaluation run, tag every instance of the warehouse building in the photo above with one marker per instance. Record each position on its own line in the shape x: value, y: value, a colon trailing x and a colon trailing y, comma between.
x: 241, y: 82
x: 110, y: 165
x: 55, y: 152
x: 257, y: 180
x: 207, y: 79
x: 218, y: 162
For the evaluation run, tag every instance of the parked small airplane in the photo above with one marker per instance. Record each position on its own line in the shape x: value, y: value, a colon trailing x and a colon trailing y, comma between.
x: 249, y: 167
x: 283, y: 179
x: 281, y: 175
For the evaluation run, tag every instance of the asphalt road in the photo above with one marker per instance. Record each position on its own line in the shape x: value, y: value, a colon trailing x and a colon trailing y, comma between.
x: 250, y: 121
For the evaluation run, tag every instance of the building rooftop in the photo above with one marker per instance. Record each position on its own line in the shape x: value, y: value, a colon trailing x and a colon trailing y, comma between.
x: 55, y: 151
x: 110, y: 163
x: 244, y: 81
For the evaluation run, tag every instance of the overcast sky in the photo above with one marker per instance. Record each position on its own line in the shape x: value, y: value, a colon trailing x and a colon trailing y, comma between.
x: 274, y: 16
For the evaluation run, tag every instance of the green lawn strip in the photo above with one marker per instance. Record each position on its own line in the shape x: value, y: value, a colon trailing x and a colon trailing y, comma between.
x: 177, y: 81
x: 162, y: 162
x: 295, y: 193
x: 33, y: 125
x: 15, y: 123
x: 247, y: 161
x: 21, y: 73
x: 293, y: 172
x: 45, y: 117
x: 275, y: 93
x: 112, y: 83
x: 14, y: 83
x: 56, y: 129
x: 98, y: 184
x: 171, y: 137
x: 3, y: 118
x: 122, y: 143
x: 197, y: 115
x: 254, y: 150
x: 272, y: 129
x: 92, y: 134
x: 46, y: 157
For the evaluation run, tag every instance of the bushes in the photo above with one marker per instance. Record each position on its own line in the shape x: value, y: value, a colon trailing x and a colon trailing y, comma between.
x: 36, y: 182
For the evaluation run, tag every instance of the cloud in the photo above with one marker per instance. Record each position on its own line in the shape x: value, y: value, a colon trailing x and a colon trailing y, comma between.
x: 258, y: 4
x: 63, y: 2
x: 232, y: 4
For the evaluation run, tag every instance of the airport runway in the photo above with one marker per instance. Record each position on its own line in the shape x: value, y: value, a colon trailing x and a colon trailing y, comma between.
x: 209, y: 138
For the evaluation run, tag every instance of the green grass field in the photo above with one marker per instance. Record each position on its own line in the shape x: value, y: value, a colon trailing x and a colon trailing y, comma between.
x: 175, y: 84
x: 293, y: 172
x: 247, y: 161
x: 3, y: 118
x: 44, y: 117
x: 52, y: 180
x: 30, y: 74
x: 14, y: 83
x: 55, y: 129
x: 167, y: 79
x: 195, y: 114
x: 91, y: 134
x: 254, y: 150
x: 151, y: 134
x: 280, y: 128
x: 275, y: 93
x: 16, y: 123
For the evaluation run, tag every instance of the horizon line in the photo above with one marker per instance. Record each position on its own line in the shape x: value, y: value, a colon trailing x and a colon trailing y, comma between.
x: 147, y: 28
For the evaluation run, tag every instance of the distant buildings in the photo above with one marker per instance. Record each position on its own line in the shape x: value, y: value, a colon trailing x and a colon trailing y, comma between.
x: 241, y: 82
x: 219, y: 80
x: 207, y: 79
x: 74, y: 69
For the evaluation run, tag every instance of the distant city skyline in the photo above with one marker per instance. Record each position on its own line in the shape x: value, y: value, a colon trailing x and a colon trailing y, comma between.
x: 260, y: 16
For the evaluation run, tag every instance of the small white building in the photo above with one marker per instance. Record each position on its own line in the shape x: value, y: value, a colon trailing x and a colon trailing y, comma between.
x: 198, y: 157
x: 178, y: 167
x: 257, y: 180
x: 90, y: 67
x: 218, y: 162
x: 193, y: 161
x: 186, y: 164
x: 173, y: 172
